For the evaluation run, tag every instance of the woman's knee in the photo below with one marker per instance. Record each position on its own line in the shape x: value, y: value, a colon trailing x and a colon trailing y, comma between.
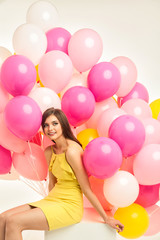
x: 2, y: 219
x: 11, y: 222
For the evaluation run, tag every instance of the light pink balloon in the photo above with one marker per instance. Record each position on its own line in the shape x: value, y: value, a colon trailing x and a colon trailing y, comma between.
x: 8, y: 140
x: 128, y: 73
x: 146, y: 166
x: 85, y: 49
x: 4, y: 97
x: 154, y: 220
x: 138, y: 91
x: 32, y: 163
x: 137, y: 108
x: 5, y: 160
x: 55, y: 70
x: 152, y: 127
x: 106, y: 118
x: 100, y: 107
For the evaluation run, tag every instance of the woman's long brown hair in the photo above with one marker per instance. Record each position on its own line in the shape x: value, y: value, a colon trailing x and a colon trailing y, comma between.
x: 59, y: 114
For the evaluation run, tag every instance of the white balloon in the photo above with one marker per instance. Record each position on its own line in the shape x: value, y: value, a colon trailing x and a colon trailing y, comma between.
x: 4, y: 54
x: 44, y: 14
x: 30, y: 40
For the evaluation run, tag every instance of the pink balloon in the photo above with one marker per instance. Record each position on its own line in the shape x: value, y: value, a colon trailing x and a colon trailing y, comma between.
x: 154, y: 219
x: 46, y: 142
x: 152, y: 127
x: 102, y: 157
x: 127, y: 164
x: 23, y: 117
x: 103, y: 80
x: 100, y: 107
x: 58, y: 39
x: 78, y: 104
x: 4, y: 97
x: 85, y: 49
x: 8, y: 140
x: 32, y: 163
x: 148, y: 195
x: 137, y: 108
x: 106, y: 118
x: 5, y: 160
x: 21, y: 76
x: 146, y: 166
x: 129, y: 133
x: 55, y: 70
x: 128, y: 73
x: 138, y: 91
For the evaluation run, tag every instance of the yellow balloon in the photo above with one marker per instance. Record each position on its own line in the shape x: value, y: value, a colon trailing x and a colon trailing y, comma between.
x: 155, y: 107
x: 135, y: 219
x: 38, y: 78
x: 86, y: 136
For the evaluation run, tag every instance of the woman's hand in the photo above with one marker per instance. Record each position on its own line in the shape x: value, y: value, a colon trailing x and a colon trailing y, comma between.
x: 116, y: 224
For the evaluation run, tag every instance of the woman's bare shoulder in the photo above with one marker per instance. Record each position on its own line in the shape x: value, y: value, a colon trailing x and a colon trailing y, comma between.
x: 74, y: 147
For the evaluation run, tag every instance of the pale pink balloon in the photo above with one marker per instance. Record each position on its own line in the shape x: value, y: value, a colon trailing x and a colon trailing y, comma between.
x: 4, y: 97
x: 31, y: 163
x: 79, y: 129
x: 8, y: 140
x: 128, y: 73
x: 85, y: 49
x: 137, y: 108
x: 121, y: 189
x: 154, y: 220
x: 146, y: 166
x: 55, y: 70
x: 4, y: 54
x: 106, y: 119
x: 100, y: 107
x: 152, y: 127
x: 5, y: 160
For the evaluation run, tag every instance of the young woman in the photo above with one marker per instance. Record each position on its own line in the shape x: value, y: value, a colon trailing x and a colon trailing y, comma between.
x: 67, y: 180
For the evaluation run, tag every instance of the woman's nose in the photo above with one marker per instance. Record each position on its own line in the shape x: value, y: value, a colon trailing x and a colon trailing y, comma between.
x: 50, y: 127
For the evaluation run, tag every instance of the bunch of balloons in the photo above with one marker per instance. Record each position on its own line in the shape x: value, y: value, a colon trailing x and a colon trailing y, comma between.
x: 107, y: 109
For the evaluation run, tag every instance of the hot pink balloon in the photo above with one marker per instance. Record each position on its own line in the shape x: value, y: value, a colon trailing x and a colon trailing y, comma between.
x: 102, y: 157
x: 103, y: 80
x: 5, y: 160
x: 32, y: 163
x: 138, y: 91
x: 23, y: 117
x: 18, y: 75
x: 55, y: 70
x: 148, y: 195
x: 4, y: 97
x: 58, y: 39
x: 128, y: 73
x: 152, y: 127
x: 78, y: 104
x: 85, y: 49
x: 129, y: 133
x: 154, y: 219
x: 146, y: 166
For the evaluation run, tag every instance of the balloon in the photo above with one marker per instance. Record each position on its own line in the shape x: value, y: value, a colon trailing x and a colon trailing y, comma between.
x: 4, y: 96
x: 138, y: 91
x: 43, y: 14
x: 129, y: 133
x: 102, y: 157
x: 12, y: 175
x: 38, y: 78
x: 146, y: 166
x: 30, y: 40
x: 78, y: 104
x: 45, y: 98
x: 138, y: 108
x: 127, y: 164
x: 4, y: 54
x: 128, y: 73
x: 78, y: 129
x: 148, y: 195
x: 155, y: 107
x: 21, y: 77
x: 32, y: 163
x: 37, y: 139
x: 5, y: 160
x: 154, y: 219
x: 47, y: 142
x: 85, y: 49
x: 152, y: 127
x: 121, y: 189
x: 86, y: 136
x: 58, y: 39
x: 134, y: 218
x: 23, y: 117
x: 100, y: 107
x: 55, y: 70
x: 103, y: 80
x: 8, y: 140
x: 106, y: 118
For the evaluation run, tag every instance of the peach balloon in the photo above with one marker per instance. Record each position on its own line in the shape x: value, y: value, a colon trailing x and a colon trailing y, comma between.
x: 154, y: 220
x: 152, y: 127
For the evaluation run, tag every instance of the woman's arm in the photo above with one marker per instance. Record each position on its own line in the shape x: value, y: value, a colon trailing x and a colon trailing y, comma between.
x: 74, y: 158
x: 52, y: 178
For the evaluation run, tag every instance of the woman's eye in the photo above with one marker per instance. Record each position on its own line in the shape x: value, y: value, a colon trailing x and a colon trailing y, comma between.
x: 55, y: 123
x: 45, y: 125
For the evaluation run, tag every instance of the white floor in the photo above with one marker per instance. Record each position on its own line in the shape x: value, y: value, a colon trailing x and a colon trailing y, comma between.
x: 15, y: 192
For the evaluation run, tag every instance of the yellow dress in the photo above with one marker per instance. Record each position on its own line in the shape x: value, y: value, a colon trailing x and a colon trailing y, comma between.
x: 64, y: 204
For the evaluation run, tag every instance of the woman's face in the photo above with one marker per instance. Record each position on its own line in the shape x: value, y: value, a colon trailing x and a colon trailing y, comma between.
x: 52, y: 127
